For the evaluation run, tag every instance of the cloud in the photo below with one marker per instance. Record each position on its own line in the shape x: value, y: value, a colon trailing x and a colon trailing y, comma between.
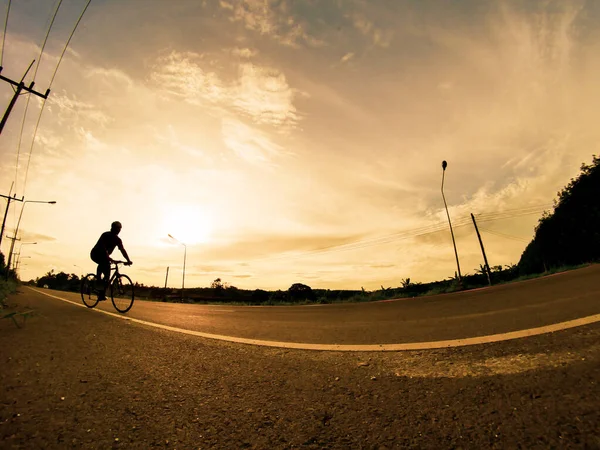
x: 245, y: 53
x: 27, y: 236
x: 347, y: 57
x: 69, y: 109
x: 271, y: 18
x: 378, y: 36
x: 264, y: 95
x: 260, y: 93
x: 255, y: 247
x: 248, y: 143
x: 179, y: 74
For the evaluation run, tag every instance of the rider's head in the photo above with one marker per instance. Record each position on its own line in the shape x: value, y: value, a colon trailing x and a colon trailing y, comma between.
x: 115, y: 227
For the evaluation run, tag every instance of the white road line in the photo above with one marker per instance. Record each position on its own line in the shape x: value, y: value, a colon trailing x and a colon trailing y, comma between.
x: 357, y: 347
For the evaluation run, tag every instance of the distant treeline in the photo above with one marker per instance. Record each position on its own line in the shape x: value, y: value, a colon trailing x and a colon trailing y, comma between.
x: 298, y: 293
x: 568, y: 236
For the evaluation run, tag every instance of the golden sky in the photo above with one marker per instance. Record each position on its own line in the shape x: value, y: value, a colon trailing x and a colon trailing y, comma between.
x: 296, y: 141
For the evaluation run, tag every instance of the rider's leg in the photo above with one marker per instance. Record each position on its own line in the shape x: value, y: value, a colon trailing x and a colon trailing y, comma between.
x: 102, y: 272
x: 104, y: 269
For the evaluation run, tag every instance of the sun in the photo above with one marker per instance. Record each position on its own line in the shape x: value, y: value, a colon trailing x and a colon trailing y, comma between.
x: 188, y: 224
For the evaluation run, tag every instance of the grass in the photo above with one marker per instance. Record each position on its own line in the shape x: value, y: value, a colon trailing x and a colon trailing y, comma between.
x: 8, y: 287
x: 550, y: 271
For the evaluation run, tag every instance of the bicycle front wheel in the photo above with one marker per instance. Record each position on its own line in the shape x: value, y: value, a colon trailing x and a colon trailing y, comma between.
x: 121, y: 292
x: 89, y: 295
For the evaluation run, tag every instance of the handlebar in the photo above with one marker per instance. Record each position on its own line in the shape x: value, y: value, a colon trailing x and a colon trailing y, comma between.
x: 116, y: 262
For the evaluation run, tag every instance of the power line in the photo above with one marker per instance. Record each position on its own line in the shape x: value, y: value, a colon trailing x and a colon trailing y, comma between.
x: 29, y: 97
x: 49, y: 86
x: 412, y: 233
x: 4, y: 34
x: 69, y: 40
x: 504, y: 235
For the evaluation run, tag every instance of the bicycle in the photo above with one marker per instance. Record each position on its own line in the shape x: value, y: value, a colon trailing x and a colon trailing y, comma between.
x: 121, y: 289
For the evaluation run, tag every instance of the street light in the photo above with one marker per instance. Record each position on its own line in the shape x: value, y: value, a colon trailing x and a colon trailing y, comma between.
x: 184, y: 256
x: 14, y: 238
x: 18, y: 254
x: 25, y: 243
x: 444, y: 165
x: 18, y: 263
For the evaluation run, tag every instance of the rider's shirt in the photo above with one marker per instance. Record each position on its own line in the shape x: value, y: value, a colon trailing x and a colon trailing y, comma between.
x: 108, y: 241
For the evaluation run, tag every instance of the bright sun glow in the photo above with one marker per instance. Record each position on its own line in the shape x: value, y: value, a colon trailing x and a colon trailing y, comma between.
x: 188, y: 224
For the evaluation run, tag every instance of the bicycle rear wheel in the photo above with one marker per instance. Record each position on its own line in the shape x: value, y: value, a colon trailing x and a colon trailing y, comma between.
x: 88, y: 290
x: 121, y: 292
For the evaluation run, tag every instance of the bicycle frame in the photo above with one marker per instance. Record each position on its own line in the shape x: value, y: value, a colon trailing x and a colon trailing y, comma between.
x: 114, y: 268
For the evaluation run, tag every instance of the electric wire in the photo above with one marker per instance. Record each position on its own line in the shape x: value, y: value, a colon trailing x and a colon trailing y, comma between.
x: 504, y: 235
x: 4, y: 34
x: 29, y: 96
x: 49, y: 86
x: 412, y: 233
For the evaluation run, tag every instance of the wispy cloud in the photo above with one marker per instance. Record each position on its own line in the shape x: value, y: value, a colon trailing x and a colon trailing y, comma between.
x: 264, y: 95
x: 249, y: 143
x: 260, y: 93
x: 377, y: 35
x: 181, y: 75
x: 271, y: 18
x: 347, y: 57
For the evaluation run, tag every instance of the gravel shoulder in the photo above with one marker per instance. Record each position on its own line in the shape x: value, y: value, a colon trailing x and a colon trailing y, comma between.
x: 75, y: 379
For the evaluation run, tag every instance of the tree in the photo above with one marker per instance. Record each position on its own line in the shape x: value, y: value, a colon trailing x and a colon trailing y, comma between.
x: 259, y: 296
x: 571, y: 233
x: 299, y: 292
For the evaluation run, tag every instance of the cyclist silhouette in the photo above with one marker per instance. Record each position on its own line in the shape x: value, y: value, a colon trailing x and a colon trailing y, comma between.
x: 100, y: 254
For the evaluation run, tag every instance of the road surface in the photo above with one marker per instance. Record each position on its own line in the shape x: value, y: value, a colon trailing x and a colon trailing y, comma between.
x: 489, y: 311
x: 74, y: 378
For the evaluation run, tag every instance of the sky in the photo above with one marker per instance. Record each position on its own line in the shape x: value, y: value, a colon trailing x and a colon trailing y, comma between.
x: 294, y: 141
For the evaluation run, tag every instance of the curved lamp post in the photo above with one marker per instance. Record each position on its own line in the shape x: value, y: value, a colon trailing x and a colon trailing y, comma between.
x: 444, y: 165
x: 14, y: 238
x: 184, y: 256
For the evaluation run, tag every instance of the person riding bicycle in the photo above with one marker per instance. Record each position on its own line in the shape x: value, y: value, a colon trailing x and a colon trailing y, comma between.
x: 100, y: 254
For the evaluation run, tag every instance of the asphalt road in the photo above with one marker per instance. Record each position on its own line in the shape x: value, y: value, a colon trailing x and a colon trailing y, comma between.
x: 75, y: 378
x: 498, y: 309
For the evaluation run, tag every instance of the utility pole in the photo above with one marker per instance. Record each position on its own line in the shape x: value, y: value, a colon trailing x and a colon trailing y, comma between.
x: 487, y: 266
x: 10, y: 253
x: 20, y: 87
x: 167, y: 277
x: 8, y: 200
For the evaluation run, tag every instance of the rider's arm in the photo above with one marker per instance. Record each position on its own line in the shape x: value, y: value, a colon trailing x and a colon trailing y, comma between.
x: 124, y: 252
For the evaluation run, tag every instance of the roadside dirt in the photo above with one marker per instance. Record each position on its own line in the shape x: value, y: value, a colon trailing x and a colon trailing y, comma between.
x: 75, y: 379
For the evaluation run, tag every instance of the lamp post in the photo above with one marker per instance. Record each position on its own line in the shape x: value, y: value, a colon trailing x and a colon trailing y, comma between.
x: 18, y: 254
x: 25, y: 243
x: 14, y: 238
x: 184, y: 256
x: 444, y: 165
x: 18, y: 263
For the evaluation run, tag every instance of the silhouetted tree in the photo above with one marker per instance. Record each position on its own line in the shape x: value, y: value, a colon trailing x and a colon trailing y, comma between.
x: 299, y: 292
x: 571, y: 233
x: 60, y: 281
x: 259, y: 296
